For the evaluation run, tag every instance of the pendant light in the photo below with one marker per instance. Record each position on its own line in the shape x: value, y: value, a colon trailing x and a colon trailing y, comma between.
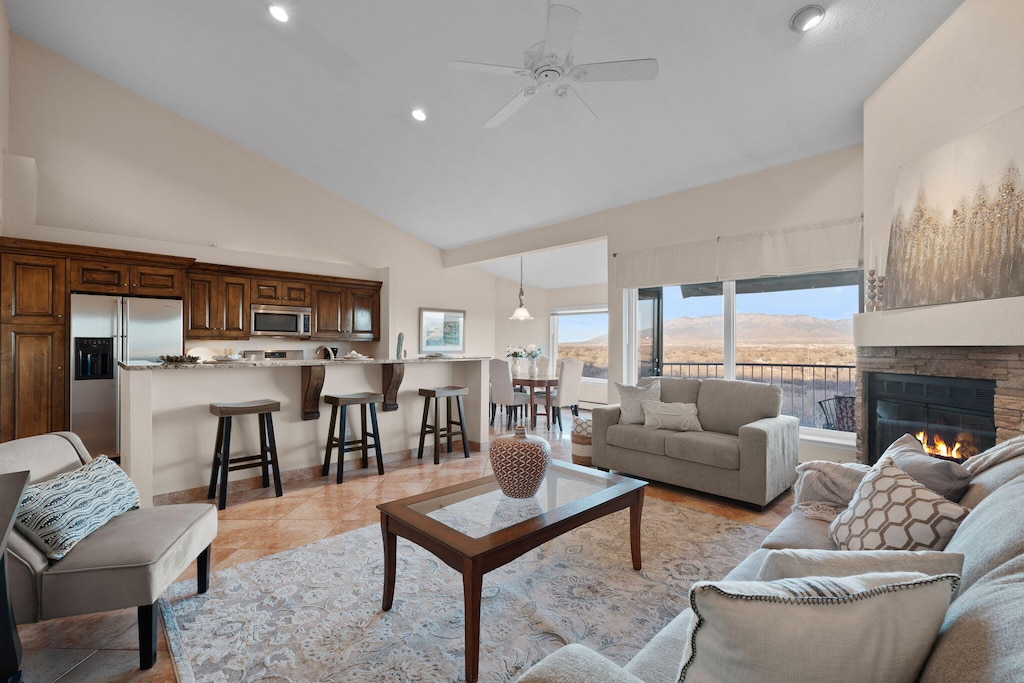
x: 521, y: 313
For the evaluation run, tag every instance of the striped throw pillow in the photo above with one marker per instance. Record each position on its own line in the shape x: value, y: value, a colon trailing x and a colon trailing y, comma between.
x: 58, y: 513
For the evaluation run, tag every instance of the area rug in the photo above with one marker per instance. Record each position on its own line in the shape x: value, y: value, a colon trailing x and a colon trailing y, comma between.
x: 313, y: 613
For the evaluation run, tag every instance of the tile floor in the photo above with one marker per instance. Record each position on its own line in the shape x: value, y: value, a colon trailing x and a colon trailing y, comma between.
x: 104, y: 647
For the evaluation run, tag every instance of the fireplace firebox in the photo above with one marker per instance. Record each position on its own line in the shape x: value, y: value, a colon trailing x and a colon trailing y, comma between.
x: 953, y: 417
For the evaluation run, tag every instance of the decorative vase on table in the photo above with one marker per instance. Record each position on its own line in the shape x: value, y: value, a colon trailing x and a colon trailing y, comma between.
x: 532, y: 365
x: 515, y: 367
x: 520, y: 463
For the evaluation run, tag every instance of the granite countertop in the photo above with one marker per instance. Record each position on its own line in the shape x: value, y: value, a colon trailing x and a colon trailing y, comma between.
x: 221, y: 365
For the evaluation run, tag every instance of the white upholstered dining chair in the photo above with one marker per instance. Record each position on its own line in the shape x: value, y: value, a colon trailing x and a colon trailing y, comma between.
x: 567, y: 393
x: 502, y: 391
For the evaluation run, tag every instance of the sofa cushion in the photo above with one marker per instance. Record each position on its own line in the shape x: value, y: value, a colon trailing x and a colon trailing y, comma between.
x: 988, y: 480
x: 980, y: 639
x: 798, y: 531
x: 635, y: 437
x: 58, y: 513
x: 679, y: 389
x: 680, y: 417
x: 992, y: 534
x: 726, y: 405
x: 891, y: 510
x: 789, y: 562
x: 705, y: 448
x: 146, y: 550
x: 630, y: 398
x: 865, y: 628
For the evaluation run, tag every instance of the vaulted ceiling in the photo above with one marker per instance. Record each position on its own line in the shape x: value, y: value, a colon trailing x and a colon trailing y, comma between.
x: 328, y: 94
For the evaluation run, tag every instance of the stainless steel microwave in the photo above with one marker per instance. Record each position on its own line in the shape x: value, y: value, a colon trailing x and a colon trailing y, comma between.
x: 279, y: 321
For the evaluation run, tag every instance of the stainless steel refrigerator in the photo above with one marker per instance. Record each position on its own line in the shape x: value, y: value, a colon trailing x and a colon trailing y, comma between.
x: 106, y: 330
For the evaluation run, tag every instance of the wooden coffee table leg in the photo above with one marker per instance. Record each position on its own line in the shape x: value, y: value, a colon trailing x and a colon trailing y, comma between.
x: 635, y: 510
x: 390, y: 561
x: 472, y: 586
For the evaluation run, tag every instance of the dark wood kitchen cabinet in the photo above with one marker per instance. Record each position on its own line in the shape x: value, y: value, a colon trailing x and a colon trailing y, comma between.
x: 279, y: 292
x: 346, y: 313
x: 34, y: 289
x: 216, y: 306
x: 107, y: 277
x: 33, y: 362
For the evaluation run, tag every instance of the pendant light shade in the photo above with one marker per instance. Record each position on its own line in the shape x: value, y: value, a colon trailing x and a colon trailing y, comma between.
x: 521, y: 313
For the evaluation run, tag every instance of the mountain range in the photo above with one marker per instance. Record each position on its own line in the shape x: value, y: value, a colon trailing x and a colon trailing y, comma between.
x: 760, y: 328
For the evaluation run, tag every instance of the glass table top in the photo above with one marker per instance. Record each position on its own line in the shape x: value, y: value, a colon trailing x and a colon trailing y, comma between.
x: 484, y: 509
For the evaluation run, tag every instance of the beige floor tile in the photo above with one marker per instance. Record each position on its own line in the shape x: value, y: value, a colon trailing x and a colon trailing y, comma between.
x: 46, y: 666
x: 83, y: 631
x: 120, y: 666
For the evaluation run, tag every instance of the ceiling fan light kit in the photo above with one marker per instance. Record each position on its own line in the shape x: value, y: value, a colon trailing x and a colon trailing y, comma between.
x: 550, y: 64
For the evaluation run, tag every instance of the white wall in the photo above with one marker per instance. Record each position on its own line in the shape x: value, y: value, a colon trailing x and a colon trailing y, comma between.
x: 116, y: 170
x: 965, y: 75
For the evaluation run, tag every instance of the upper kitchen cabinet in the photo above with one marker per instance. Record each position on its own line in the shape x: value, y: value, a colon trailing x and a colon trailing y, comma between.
x: 34, y: 289
x: 346, y: 313
x: 216, y: 306
x: 105, y: 277
x: 279, y: 292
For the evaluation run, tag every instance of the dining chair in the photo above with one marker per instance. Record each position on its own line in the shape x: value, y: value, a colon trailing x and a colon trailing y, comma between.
x: 543, y: 366
x: 502, y: 392
x: 567, y: 393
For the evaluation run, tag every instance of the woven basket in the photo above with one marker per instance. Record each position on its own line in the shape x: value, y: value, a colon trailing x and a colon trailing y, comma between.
x: 582, y: 436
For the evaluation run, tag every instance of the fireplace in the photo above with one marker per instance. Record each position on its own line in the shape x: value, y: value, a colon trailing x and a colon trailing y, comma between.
x: 953, y: 417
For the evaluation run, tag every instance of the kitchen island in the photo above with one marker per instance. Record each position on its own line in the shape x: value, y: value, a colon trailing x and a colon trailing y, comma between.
x: 167, y: 432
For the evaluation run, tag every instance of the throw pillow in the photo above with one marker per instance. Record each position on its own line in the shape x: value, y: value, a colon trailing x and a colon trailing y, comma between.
x: 947, y: 478
x: 892, y: 511
x: 681, y: 417
x: 58, y: 513
x: 871, y: 628
x: 630, y: 409
x: 796, y: 562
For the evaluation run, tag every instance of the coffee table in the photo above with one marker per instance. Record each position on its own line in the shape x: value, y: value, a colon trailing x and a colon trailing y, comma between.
x: 473, y: 528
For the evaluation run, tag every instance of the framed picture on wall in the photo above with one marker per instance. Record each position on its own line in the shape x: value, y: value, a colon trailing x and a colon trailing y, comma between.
x: 442, y: 331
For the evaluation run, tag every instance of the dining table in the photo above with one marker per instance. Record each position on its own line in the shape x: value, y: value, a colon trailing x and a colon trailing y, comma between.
x: 532, y: 383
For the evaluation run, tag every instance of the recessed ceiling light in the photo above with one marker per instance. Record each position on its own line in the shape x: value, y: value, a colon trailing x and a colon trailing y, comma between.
x: 807, y: 18
x: 278, y: 12
x: 419, y: 114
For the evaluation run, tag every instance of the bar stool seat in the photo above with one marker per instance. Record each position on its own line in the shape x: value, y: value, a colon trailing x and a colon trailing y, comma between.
x: 339, y: 406
x: 266, y: 459
x: 443, y: 432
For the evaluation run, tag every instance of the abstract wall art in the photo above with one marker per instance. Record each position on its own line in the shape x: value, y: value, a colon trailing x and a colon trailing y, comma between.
x: 958, y: 221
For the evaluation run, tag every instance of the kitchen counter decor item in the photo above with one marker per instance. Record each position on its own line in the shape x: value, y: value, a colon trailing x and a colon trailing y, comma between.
x: 520, y: 463
x: 177, y: 360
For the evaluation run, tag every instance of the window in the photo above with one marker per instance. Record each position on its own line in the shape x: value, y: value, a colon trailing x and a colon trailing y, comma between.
x: 794, y: 331
x: 582, y: 334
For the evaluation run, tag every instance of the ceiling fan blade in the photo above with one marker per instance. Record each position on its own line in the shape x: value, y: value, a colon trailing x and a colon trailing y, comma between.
x: 626, y: 70
x: 562, y: 22
x: 488, y: 68
x: 586, y: 115
x: 511, y: 108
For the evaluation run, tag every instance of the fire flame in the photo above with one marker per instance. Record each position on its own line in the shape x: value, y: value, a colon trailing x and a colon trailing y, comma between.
x: 939, y: 447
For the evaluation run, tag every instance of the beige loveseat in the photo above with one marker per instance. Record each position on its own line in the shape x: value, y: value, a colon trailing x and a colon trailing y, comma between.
x: 747, y: 451
x: 979, y: 640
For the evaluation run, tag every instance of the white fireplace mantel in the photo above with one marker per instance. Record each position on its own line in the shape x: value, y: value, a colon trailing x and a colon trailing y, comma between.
x: 992, y: 322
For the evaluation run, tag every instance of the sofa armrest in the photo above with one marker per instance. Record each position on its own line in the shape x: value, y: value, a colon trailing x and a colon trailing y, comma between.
x: 768, y: 457
x: 577, y: 664
x: 603, y: 417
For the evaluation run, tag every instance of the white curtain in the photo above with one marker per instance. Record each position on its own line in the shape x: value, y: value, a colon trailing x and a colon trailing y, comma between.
x: 790, y: 251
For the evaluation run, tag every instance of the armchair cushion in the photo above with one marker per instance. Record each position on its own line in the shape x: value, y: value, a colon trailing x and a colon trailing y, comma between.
x: 58, y: 513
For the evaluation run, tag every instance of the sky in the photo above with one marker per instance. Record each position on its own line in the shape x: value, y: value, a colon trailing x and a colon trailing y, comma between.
x: 831, y: 303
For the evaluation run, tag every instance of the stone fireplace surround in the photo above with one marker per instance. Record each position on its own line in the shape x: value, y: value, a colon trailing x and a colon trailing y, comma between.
x: 1004, y: 364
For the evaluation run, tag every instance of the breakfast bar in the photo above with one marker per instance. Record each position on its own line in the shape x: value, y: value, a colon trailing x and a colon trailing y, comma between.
x: 167, y: 435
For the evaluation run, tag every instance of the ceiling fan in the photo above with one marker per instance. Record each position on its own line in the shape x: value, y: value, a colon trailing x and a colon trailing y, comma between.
x: 549, y: 63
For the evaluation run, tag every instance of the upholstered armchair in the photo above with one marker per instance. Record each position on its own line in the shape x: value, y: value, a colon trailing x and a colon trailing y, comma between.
x: 128, y: 562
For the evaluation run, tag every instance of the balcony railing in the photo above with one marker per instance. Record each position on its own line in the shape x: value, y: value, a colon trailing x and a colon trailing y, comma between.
x: 803, y: 386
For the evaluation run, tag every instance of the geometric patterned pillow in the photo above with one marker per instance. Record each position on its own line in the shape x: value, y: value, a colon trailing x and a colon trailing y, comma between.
x: 892, y: 511
x: 58, y: 513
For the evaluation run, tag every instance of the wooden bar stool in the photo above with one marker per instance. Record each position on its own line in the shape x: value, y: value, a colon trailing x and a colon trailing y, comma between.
x: 362, y: 444
x: 266, y: 459
x: 436, y: 429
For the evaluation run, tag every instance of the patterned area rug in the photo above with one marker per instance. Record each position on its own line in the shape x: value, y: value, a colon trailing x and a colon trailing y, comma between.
x: 313, y: 613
